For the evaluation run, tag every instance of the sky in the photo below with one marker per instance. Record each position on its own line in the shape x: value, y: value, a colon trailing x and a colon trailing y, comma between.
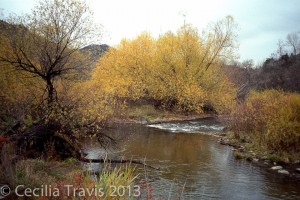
x: 261, y: 22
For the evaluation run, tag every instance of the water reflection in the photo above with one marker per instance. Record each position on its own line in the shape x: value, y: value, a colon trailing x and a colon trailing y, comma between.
x: 196, y: 161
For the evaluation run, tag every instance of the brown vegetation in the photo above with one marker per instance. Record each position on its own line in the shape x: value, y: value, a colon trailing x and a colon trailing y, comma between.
x: 270, y: 121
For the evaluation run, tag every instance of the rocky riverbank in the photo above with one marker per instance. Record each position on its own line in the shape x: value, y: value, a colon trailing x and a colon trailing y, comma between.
x: 277, y: 164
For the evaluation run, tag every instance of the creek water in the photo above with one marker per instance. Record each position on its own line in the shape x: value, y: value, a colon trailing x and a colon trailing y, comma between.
x: 190, y: 158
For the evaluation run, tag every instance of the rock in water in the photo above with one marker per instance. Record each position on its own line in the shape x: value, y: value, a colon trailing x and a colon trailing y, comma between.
x: 282, y: 171
x: 276, y: 168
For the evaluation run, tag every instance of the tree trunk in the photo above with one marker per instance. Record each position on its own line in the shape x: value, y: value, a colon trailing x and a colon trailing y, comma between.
x: 50, y: 89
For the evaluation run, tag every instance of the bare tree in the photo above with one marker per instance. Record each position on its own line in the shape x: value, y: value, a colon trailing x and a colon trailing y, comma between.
x: 220, y: 42
x: 46, y: 43
x: 293, y: 40
x: 280, y: 48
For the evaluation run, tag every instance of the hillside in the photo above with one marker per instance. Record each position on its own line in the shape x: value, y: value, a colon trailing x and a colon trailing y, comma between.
x: 282, y: 73
x: 275, y: 73
x: 95, y: 50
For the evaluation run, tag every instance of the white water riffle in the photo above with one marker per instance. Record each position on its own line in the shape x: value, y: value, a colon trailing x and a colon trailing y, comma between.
x: 188, y: 127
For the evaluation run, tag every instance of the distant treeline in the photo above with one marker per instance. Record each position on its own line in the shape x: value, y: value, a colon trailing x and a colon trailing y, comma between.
x: 280, y: 71
x: 275, y: 73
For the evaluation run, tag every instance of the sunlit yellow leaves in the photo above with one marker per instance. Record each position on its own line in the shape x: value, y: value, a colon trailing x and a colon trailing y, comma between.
x: 18, y: 93
x: 121, y: 72
x: 180, y: 70
x: 270, y: 118
x: 87, y: 104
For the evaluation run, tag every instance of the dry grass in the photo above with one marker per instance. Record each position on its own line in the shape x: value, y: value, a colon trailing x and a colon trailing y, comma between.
x: 36, y: 173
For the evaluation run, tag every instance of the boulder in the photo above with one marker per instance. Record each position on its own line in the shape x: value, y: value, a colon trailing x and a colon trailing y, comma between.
x: 283, y: 171
x: 276, y: 168
x: 267, y: 162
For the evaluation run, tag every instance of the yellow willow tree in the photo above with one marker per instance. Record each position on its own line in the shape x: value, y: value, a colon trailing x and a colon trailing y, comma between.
x: 189, y: 65
x: 123, y: 71
x: 175, y: 65
x: 180, y: 70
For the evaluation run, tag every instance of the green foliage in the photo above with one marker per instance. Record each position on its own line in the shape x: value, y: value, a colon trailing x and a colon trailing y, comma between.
x: 273, y: 158
x: 271, y: 119
x: 122, y: 176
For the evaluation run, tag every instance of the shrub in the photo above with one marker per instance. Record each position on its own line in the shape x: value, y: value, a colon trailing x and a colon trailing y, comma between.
x: 270, y: 119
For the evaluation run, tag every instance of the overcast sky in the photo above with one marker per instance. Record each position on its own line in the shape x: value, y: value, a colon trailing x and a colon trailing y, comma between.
x: 261, y: 22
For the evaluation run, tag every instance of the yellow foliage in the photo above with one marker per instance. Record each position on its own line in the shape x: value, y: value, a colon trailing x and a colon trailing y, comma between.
x: 83, y: 104
x: 19, y: 92
x: 180, y: 70
x: 271, y: 118
x: 121, y: 71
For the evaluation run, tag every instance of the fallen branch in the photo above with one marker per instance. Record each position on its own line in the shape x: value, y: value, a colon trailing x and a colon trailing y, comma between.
x: 116, y: 161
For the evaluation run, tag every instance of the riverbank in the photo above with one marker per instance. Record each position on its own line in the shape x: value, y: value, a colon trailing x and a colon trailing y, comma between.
x: 148, y: 114
x: 280, y: 164
x: 266, y: 124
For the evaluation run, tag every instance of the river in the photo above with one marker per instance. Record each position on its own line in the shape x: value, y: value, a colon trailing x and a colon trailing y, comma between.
x: 190, y: 157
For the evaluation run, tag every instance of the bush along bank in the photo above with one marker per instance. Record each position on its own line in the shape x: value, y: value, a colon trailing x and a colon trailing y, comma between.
x: 266, y: 127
